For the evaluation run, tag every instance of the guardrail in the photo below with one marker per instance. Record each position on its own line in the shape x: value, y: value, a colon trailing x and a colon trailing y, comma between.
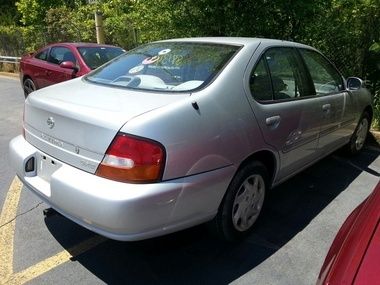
x: 10, y: 59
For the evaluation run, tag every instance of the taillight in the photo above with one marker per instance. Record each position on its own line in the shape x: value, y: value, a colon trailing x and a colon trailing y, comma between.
x: 132, y: 159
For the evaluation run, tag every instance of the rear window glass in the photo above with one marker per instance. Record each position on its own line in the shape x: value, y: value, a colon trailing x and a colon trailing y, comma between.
x: 97, y: 56
x: 167, y: 66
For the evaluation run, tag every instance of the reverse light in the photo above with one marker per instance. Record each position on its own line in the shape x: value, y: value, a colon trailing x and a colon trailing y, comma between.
x: 133, y: 159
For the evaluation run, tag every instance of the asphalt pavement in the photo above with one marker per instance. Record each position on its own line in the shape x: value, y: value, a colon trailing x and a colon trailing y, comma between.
x: 11, y: 107
x: 287, y: 246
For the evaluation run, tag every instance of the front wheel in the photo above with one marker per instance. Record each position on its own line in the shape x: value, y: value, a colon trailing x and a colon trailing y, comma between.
x: 28, y: 86
x: 360, y: 134
x: 243, y: 202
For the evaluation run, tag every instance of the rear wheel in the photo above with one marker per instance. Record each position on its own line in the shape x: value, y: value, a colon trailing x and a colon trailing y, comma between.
x: 360, y: 135
x: 28, y: 86
x: 243, y: 202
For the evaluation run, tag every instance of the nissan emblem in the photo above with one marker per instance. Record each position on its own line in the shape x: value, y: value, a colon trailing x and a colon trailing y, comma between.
x: 50, y: 122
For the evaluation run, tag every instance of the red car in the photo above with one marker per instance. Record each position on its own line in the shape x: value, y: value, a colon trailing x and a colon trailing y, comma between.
x: 62, y: 61
x: 354, y: 256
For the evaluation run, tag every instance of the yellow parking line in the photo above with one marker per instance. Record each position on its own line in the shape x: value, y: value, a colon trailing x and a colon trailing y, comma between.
x: 7, y: 219
x: 54, y: 261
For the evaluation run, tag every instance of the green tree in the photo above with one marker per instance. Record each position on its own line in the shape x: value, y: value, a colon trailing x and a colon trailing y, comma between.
x: 8, y: 13
x: 33, y: 12
x: 347, y: 31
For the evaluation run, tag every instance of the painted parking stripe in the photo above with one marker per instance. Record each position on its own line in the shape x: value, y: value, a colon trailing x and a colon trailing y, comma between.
x: 8, y: 223
x: 54, y: 261
x: 7, y: 230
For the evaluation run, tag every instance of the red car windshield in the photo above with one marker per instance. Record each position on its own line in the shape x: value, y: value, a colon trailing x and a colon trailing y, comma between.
x: 97, y: 56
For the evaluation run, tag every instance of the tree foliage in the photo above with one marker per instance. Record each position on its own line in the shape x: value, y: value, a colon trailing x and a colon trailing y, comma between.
x: 347, y: 31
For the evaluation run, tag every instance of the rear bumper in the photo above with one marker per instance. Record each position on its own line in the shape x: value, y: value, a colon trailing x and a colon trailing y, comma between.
x: 118, y: 210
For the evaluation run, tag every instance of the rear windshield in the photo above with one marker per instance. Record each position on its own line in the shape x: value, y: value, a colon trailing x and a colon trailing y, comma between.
x: 166, y: 66
x: 97, y: 56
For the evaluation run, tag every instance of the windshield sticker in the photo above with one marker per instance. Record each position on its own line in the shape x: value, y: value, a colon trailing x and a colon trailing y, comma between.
x: 136, y: 69
x: 151, y: 60
x: 164, y: 51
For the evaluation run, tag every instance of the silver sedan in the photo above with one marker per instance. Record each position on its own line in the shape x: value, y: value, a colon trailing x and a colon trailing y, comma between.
x: 180, y: 132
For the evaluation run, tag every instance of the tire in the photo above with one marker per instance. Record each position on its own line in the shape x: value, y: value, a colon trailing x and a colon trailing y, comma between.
x: 360, y: 134
x: 242, y: 202
x: 28, y: 86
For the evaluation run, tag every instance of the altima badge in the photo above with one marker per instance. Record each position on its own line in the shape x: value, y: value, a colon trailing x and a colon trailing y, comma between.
x: 50, y: 122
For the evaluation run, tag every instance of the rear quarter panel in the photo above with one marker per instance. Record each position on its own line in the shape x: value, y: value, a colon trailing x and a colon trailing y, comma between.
x: 204, y: 146
x: 222, y: 132
x: 35, y: 69
x: 26, y: 68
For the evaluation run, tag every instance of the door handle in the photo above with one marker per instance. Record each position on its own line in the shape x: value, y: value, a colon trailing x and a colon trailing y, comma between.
x: 273, y: 121
x: 326, y: 107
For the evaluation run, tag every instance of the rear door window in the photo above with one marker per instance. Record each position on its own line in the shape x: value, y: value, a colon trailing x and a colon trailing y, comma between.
x: 283, y: 73
x: 260, y: 83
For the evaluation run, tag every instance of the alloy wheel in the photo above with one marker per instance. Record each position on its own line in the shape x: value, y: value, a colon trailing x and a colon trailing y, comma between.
x: 361, y: 134
x: 29, y: 86
x: 248, y: 202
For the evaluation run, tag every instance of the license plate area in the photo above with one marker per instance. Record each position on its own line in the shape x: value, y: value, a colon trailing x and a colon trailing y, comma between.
x: 46, y: 166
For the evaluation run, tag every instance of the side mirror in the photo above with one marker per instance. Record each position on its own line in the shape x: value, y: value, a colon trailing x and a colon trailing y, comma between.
x: 354, y: 83
x: 68, y: 65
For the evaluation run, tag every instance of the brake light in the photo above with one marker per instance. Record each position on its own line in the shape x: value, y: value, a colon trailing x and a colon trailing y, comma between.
x: 133, y: 159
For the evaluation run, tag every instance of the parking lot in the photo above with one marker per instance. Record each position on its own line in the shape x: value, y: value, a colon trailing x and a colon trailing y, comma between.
x: 287, y: 246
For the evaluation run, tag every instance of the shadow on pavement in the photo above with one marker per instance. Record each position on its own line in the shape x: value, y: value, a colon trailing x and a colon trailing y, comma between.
x: 196, y: 256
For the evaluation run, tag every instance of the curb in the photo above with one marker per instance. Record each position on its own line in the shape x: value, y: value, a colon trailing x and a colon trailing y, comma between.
x: 376, y: 135
x: 9, y: 74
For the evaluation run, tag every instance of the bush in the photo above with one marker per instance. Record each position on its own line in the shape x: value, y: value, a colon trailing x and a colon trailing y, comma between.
x: 9, y: 67
x: 11, y: 41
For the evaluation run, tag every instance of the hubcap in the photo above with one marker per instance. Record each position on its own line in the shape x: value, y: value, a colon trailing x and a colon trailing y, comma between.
x: 29, y: 86
x: 248, y: 202
x: 361, y: 134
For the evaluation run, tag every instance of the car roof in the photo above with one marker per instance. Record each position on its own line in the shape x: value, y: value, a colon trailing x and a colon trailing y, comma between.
x: 81, y: 44
x: 237, y: 41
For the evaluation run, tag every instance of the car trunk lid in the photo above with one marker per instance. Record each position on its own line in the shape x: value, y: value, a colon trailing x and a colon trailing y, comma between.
x: 75, y: 121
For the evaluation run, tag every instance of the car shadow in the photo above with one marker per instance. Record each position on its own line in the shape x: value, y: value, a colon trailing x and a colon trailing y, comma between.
x: 196, y: 256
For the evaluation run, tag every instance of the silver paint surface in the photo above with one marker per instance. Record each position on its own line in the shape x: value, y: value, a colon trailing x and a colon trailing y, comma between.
x: 205, y: 146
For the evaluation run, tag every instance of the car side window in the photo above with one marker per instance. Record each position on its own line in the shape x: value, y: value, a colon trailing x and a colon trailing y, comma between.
x: 286, y: 77
x: 279, y: 75
x: 42, y: 55
x: 260, y: 83
x: 325, y: 77
x: 61, y: 54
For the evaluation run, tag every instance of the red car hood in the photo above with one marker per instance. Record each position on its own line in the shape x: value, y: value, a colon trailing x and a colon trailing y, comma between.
x: 369, y: 269
x: 354, y: 256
